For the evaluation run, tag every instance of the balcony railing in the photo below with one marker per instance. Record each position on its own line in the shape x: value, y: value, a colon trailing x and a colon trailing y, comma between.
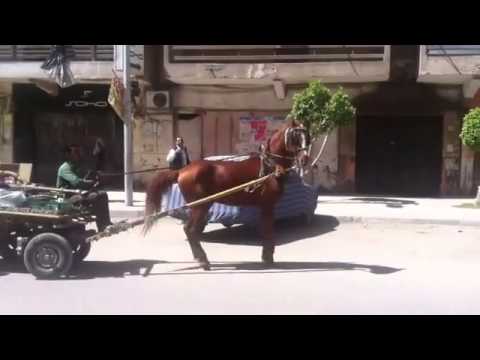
x: 453, y: 50
x: 274, y: 53
x: 41, y: 52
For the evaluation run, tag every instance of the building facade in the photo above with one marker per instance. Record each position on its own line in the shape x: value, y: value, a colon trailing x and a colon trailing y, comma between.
x: 227, y: 99
x: 38, y: 118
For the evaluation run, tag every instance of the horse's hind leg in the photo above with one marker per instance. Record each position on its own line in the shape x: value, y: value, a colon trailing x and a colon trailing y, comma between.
x: 267, y: 234
x: 193, y: 228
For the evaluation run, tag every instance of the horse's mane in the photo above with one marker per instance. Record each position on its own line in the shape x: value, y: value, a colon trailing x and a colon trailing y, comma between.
x: 290, y: 123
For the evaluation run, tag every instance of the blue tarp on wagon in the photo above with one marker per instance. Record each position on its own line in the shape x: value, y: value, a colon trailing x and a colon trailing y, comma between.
x: 298, y: 199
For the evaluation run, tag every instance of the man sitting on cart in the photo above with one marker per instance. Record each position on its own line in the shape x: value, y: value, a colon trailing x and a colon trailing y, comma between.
x: 68, y: 178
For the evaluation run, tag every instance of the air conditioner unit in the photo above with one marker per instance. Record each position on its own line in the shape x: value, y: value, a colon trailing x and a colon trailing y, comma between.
x: 158, y: 101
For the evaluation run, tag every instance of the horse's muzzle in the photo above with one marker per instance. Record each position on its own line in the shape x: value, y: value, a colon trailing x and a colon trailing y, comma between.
x: 304, y: 160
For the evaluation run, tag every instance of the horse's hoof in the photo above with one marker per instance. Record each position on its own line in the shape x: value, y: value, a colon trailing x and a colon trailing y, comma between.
x: 205, y: 266
x: 268, y: 261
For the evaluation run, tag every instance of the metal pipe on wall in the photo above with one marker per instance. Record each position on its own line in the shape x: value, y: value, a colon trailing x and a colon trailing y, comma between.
x: 127, y: 129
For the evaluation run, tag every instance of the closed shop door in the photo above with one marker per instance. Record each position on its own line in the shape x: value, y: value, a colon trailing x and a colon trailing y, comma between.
x: 399, y: 156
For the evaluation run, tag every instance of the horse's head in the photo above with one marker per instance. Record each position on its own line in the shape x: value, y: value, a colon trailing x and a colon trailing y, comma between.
x: 291, y: 142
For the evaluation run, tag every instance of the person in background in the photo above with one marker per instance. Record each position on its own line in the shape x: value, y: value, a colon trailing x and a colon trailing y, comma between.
x: 99, y: 153
x: 178, y: 156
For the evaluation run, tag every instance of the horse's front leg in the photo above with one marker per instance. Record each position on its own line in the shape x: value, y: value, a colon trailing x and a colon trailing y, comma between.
x: 267, y: 234
x: 193, y: 229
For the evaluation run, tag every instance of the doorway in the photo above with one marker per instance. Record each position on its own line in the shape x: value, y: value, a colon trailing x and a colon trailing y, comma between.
x: 399, y: 156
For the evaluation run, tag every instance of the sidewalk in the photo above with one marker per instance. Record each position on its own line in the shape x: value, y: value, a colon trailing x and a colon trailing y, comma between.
x: 355, y: 209
x: 400, y: 210
x: 118, y: 209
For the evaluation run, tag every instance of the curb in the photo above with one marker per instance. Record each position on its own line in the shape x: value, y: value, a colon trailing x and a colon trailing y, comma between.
x: 366, y: 220
x: 126, y: 213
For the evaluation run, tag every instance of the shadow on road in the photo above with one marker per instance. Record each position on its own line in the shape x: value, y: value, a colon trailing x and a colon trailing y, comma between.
x: 286, y: 231
x: 388, y: 202
x: 282, y: 267
x: 92, y: 269
x: 12, y: 266
x: 113, y: 269
x: 143, y: 268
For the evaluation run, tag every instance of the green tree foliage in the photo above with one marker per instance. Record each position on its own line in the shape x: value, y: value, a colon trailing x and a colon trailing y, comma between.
x: 320, y: 110
x: 470, y: 134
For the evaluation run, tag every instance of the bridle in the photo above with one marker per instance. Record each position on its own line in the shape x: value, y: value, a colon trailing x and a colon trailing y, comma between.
x: 292, y: 134
x: 291, y: 138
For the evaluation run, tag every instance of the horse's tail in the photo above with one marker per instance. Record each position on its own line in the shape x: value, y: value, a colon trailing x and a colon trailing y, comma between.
x: 160, y: 183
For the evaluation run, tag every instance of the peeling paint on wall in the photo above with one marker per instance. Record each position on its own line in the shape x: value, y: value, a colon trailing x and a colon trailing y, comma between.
x: 325, y: 176
x: 151, y: 142
x: 6, y: 131
x: 255, y: 130
x: 451, y: 154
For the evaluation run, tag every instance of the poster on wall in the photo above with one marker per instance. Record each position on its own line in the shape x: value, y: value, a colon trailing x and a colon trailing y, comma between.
x: 255, y: 131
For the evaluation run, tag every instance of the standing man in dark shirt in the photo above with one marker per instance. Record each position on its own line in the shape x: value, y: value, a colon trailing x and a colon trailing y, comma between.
x: 178, y: 157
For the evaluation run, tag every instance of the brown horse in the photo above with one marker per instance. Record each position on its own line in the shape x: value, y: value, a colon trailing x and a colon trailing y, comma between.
x: 203, y: 178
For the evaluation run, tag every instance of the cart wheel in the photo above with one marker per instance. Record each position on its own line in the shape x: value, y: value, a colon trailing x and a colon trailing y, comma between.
x: 48, y: 256
x: 82, y: 251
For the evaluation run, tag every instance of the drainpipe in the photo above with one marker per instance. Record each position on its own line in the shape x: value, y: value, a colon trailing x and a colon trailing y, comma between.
x: 127, y: 129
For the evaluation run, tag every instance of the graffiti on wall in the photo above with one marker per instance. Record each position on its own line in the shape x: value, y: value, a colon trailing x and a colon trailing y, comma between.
x: 255, y: 130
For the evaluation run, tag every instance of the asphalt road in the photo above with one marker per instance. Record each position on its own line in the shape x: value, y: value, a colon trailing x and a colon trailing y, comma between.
x: 325, y: 268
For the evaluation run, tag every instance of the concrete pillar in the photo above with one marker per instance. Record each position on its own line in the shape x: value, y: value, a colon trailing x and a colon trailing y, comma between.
x: 451, y: 154
x: 326, y: 173
x: 6, y: 124
x: 347, y: 144
x: 152, y: 141
x: 469, y: 173
x: 467, y: 168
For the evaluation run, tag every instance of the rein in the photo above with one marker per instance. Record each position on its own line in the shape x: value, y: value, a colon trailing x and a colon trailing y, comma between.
x: 286, y: 157
x: 158, y: 168
x: 132, y: 172
x: 264, y: 155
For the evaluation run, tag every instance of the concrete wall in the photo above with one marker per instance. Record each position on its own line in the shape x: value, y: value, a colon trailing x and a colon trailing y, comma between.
x: 444, y: 69
x: 467, y: 171
x: 82, y: 70
x: 222, y: 131
x: 455, y: 70
x: 214, y: 133
x: 290, y: 73
x: 451, y: 169
x: 326, y: 173
x: 6, y: 124
x: 347, y: 150
x: 236, y: 98
x: 152, y: 139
